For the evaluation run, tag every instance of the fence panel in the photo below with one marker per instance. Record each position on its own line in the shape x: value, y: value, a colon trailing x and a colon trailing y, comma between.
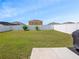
x: 5, y: 28
x: 67, y: 28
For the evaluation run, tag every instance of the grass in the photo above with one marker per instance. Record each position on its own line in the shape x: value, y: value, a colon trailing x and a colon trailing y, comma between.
x: 18, y: 44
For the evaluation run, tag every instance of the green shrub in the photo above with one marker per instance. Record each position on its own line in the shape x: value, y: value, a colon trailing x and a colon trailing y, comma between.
x: 25, y: 27
x: 37, y: 28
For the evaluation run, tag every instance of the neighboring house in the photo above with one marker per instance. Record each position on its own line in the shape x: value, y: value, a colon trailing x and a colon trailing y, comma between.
x: 69, y: 23
x: 6, y: 24
x: 35, y: 22
x: 18, y: 23
x: 54, y: 23
x: 10, y: 23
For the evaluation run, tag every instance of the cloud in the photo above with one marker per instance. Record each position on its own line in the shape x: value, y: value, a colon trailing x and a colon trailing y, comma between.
x: 12, y: 8
x: 22, y: 8
x: 63, y: 18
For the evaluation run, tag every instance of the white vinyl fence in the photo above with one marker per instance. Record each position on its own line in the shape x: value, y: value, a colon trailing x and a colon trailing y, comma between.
x: 20, y: 27
x: 66, y: 28
x: 5, y: 28
x: 17, y: 27
x: 43, y: 27
x: 9, y: 28
x: 46, y: 27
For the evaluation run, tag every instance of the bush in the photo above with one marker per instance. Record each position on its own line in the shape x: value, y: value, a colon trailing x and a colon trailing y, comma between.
x: 25, y: 27
x: 37, y: 28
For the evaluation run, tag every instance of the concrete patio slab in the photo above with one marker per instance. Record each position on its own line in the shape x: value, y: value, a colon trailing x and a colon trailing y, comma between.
x: 53, y: 53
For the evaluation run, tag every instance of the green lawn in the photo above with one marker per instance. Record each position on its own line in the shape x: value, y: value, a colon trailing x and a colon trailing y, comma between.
x: 18, y: 44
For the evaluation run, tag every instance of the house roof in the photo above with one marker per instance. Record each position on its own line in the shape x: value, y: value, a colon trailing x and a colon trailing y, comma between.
x: 35, y: 20
x: 18, y: 23
x: 7, y: 23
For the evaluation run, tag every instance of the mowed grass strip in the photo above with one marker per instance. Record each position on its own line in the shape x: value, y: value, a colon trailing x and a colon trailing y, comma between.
x: 18, y: 44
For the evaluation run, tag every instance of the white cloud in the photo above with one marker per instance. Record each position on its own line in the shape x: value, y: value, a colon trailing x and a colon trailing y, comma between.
x: 63, y: 18
x: 9, y: 11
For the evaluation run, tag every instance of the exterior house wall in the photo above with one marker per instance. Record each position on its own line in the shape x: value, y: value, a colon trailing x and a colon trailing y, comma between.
x: 35, y: 22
